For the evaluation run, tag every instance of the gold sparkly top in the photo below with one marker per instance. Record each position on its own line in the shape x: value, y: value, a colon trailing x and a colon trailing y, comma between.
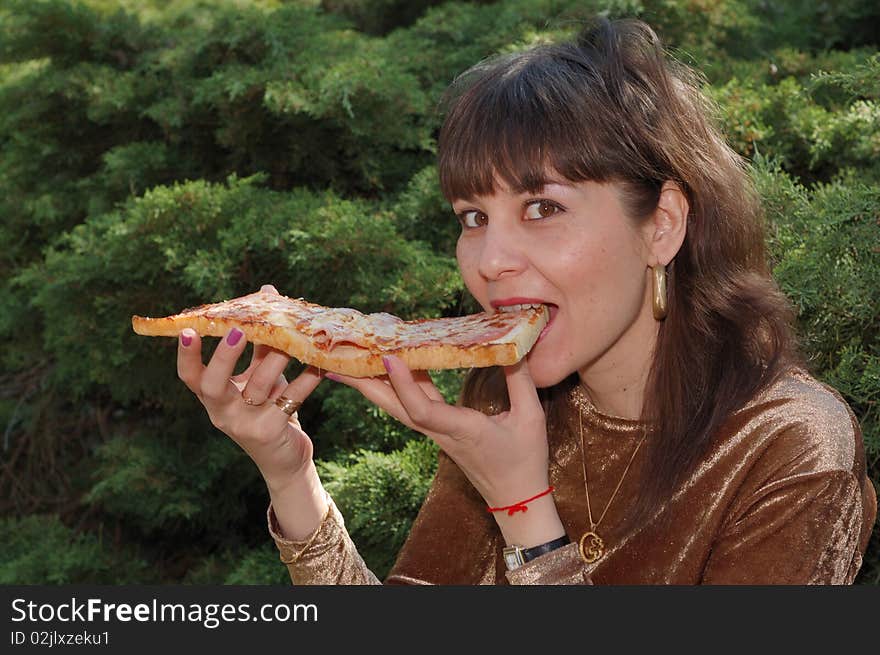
x: 783, y: 499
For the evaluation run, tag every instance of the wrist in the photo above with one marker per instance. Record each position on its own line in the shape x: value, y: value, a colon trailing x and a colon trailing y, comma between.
x: 300, y: 504
x: 538, y: 525
x: 306, y: 478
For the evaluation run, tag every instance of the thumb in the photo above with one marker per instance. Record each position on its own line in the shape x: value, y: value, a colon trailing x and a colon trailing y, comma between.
x: 521, y: 388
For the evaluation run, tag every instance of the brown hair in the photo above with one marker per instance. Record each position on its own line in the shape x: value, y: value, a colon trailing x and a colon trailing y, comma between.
x: 612, y: 106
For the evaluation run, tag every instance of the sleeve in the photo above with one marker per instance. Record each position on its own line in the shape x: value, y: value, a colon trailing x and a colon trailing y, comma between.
x: 327, y: 557
x: 800, y: 529
x: 561, y: 566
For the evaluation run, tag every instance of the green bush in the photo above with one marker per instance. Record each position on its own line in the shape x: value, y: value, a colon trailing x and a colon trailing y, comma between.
x: 39, y: 549
x: 380, y: 495
x: 788, y: 120
x: 257, y: 565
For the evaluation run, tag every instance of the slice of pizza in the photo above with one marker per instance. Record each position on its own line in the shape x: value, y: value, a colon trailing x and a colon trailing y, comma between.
x: 346, y: 341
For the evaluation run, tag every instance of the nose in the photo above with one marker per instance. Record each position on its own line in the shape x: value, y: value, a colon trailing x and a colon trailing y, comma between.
x: 502, y: 253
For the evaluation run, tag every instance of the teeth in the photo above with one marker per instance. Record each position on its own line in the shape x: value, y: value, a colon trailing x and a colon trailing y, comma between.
x: 517, y: 308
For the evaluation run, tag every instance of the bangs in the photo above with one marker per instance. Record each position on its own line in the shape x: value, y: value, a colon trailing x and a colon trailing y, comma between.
x: 524, y: 119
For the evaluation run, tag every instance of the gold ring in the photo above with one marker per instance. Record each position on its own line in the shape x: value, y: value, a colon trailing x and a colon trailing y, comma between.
x: 248, y: 400
x: 287, y: 405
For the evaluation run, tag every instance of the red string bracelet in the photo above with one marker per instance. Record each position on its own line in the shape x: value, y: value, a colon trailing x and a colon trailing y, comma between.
x: 520, y: 506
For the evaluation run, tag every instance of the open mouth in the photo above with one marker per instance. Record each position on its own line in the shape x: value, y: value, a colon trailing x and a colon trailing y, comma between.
x: 554, y: 310
x: 520, y: 307
x: 516, y: 307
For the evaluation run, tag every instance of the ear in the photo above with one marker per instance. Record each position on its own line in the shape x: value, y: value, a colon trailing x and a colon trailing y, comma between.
x: 668, y: 225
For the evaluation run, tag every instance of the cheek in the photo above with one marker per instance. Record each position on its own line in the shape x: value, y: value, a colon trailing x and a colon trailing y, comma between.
x: 467, y: 265
x: 622, y: 244
x: 604, y: 275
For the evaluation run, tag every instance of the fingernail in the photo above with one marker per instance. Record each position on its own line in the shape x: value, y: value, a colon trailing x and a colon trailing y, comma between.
x: 234, y: 336
x: 186, y: 339
x: 387, y: 362
x: 332, y: 376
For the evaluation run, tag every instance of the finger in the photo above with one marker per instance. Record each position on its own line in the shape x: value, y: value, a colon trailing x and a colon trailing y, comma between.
x: 521, y: 389
x: 189, y: 359
x: 379, y: 392
x: 259, y: 352
x: 215, y: 381
x: 263, y: 378
x: 427, y: 413
x: 278, y: 388
x: 297, y: 391
x: 427, y: 384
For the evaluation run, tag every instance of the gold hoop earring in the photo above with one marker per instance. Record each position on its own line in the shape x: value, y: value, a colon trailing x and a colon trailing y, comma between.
x: 658, y: 294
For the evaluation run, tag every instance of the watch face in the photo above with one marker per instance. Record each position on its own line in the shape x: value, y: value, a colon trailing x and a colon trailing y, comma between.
x: 513, y: 557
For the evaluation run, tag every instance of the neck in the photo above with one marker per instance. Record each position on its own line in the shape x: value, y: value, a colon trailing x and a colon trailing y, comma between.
x: 616, y: 381
x: 622, y: 398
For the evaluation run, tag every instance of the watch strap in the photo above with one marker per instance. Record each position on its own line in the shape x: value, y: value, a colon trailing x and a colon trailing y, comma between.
x: 516, y: 556
x: 531, y: 553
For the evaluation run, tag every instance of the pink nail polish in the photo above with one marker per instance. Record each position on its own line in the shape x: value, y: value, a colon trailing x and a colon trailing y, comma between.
x: 387, y: 363
x: 185, y: 339
x: 234, y: 336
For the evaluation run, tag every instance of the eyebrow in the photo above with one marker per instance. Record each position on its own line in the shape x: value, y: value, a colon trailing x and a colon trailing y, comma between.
x: 548, y: 182
x: 563, y: 182
x: 544, y: 184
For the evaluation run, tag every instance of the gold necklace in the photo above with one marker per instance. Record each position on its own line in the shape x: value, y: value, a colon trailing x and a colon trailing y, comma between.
x: 591, y: 546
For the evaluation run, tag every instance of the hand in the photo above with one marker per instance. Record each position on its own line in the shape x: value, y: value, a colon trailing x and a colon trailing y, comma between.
x: 506, y: 456
x: 243, y: 406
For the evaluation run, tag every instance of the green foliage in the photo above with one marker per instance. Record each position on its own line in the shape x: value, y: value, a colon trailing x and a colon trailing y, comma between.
x: 380, y: 496
x: 817, y: 25
x: 40, y: 549
x: 700, y: 30
x: 352, y: 422
x: 157, y: 155
x: 379, y: 16
x: 149, y: 483
x: 258, y: 565
x: 861, y: 80
x: 813, y: 137
x: 422, y: 213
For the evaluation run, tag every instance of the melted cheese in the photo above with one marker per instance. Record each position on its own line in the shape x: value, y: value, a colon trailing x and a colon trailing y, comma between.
x: 328, y: 327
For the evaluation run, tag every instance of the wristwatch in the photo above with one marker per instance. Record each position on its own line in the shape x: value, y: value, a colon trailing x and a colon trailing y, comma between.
x: 516, y: 556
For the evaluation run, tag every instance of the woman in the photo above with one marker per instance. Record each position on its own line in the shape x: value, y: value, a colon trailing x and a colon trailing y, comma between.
x: 663, y: 428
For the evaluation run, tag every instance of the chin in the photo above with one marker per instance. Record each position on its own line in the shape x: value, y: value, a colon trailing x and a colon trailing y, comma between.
x: 546, y: 374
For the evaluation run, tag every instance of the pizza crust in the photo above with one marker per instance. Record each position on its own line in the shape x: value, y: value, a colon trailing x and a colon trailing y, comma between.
x: 350, y: 359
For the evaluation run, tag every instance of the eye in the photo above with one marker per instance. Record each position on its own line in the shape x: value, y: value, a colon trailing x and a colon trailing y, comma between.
x: 472, y: 218
x: 538, y: 209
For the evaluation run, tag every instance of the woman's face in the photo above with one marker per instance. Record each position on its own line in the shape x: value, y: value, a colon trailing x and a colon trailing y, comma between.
x: 572, y: 247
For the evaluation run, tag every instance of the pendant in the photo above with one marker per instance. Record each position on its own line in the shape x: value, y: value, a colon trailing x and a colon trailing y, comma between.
x: 591, y: 547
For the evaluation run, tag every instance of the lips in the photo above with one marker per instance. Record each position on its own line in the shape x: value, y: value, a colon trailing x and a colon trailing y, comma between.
x: 517, y: 300
x: 554, y: 309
